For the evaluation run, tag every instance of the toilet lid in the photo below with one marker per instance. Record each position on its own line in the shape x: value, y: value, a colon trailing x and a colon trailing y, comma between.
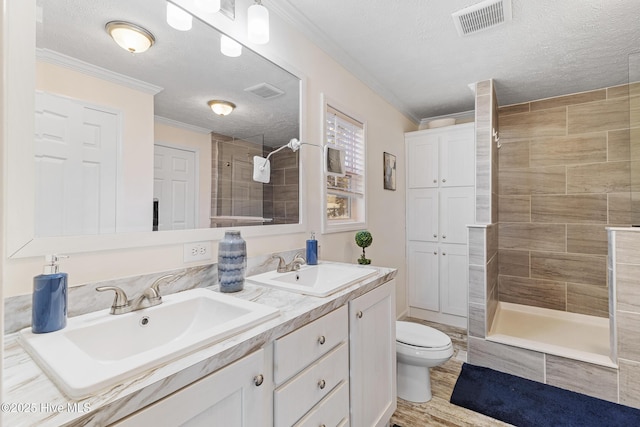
x: 420, y: 335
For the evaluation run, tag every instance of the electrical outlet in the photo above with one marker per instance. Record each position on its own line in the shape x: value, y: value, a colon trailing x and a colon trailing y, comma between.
x: 198, y: 251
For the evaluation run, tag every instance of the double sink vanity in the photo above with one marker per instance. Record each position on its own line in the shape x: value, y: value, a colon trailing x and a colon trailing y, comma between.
x: 312, y: 347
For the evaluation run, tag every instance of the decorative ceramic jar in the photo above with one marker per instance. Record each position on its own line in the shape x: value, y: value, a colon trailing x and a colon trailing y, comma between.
x: 232, y: 261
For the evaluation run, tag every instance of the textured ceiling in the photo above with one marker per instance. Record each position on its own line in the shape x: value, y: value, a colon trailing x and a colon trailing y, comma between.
x: 410, y: 53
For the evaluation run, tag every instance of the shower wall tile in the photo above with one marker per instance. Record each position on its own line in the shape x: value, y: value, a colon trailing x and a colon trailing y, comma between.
x: 483, y: 87
x: 477, y: 285
x: 492, y: 240
x: 514, y: 109
x: 563, y: 101
x: 514, y: 208
x: 598, y: 116
x: 511, y: 360
x: 628, y: 325
x: 587, y: 239
x: 587, y: 208
x: 627, y: 247
x: 620, y: 208
x: 514, y: 263
x: 533, y: 237
x: 477, y: 245
x: 618, y: 91
x: 591, y: 148
x: 483, y: 111
x: 629, y: 383
x: 536, y: 124
x: 514, y: 155
x: 628, y: 287
x: 618, y: 145
x: 492, y: 274
x: 586, y: 378
x: 588, y: 299
x: 483, y: 209
x: 483, y: 178
x: 492, y: 307
x: 610, y: 177
x: 539, y: 293
x: 477, y: 326
x: 587, y: 269
x: 547, y: 180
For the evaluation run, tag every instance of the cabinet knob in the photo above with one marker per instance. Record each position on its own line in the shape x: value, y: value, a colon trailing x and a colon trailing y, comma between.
x: 258, y: 380
x: 359, y: 315
x: 435, y: 252
x: 435, y: 236
x: 444, y: 180
x: 435, y: 181
x: 322, y: 384
x: 444, y: 253
x: 321, y: 339
x: 444, y: 236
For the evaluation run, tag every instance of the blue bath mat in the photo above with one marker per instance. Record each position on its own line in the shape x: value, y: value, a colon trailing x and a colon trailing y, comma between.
x: 524, y: 403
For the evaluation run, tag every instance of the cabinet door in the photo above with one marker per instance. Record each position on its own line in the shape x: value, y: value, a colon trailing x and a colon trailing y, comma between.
x: 423, y: 259
x: 457, y: 156
x: 372, y: 356
x: 230, y: 397
x: 453, y: 279
x: 422, y: 215
x: 456, y: 212
x: 422, y: 159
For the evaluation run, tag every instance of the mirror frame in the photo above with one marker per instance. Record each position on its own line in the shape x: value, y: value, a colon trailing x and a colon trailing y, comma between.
x: 19, y: 47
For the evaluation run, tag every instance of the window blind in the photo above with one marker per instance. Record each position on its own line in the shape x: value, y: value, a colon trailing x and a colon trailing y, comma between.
x: 348, y: 134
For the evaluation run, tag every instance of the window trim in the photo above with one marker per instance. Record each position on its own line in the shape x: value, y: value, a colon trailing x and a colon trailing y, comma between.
x: 338, y: 226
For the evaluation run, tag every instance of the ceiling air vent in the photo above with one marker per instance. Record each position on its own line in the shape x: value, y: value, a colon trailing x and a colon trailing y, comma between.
x: 264, y: 91
x: 481, y: 16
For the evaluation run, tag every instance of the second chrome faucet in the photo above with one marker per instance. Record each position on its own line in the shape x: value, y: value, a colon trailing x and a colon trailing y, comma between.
x: 148, y: 298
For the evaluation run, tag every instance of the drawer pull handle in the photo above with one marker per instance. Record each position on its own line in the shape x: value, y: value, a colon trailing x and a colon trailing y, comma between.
x: 359, y: 315
x: 321, y: 339
x: 322, y: 384
x: 258, y: 380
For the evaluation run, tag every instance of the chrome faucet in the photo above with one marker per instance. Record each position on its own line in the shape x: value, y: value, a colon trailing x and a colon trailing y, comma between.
x: 148, y: 298
x: 295, y: 264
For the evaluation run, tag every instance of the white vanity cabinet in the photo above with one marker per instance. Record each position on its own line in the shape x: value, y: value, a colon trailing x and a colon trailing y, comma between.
x: 372, y: 356
x: 440, y: 205
x: 238, y: 395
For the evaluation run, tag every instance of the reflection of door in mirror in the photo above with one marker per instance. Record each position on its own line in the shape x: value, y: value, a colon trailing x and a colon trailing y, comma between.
x: 76, y: 146
x: 174, y: 186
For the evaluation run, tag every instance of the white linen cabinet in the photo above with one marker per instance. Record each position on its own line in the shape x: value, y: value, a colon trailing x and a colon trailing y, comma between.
x: 440, y: 205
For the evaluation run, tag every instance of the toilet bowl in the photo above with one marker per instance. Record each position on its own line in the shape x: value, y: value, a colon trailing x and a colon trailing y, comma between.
x: 418, y: 348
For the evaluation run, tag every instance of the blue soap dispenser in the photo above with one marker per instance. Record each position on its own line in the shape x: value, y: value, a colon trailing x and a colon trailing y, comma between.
x: 49, y: 304
x: 312, y: 250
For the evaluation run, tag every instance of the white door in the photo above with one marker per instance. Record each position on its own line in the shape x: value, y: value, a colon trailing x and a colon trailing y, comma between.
x: 76, y: 156
x: 422, y: 215
x: 422, y: 157
x: 458, y: 156
x: 456, y: 212
x: 372, y: 356
x: 174, y: 186
x: 453, y: 279
x: 423, y: 265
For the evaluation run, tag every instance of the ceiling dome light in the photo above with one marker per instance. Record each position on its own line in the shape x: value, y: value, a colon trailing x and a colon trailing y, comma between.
x: 258, y: 23
x: 222, y: 108
x: 230, y: 47
x: 130, y: 37
x: 178, y: 18
x: 208, y: 6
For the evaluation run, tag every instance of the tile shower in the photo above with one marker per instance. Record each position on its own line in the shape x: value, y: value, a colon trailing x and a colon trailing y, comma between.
x: 561, y: 175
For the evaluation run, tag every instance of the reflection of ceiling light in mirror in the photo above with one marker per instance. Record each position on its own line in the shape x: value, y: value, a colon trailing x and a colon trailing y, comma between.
x: 130, y: 37
x: 230, y: 47
x: 222, y: 108
x: 208, y: 6
x: 178, y: 18
x: 258, y: 23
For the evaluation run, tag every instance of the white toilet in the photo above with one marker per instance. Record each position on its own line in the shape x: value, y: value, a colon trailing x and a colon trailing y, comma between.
x: 418, y: 348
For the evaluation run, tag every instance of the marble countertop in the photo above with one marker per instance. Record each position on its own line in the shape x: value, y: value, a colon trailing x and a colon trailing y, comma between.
x: 31, y: 398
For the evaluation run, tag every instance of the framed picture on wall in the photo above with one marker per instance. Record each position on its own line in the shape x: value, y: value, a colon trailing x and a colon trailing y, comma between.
x: 389, y: 162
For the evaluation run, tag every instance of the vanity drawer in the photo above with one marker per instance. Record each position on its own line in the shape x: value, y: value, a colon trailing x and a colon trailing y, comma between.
x: 295, y: 351
x: 298, y: 396
x: 332, y: 411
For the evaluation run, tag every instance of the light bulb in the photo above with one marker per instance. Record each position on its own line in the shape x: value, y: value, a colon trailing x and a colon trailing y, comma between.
x: 258, y: 24
x: 208, y: 6
x: 230, y: 47
x: 178, y: 18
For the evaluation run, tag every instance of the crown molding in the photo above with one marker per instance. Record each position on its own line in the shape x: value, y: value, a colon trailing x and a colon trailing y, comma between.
x: 181, y: 125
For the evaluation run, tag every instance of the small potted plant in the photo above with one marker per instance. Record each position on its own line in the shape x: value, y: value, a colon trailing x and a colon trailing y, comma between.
x: 364, y: 240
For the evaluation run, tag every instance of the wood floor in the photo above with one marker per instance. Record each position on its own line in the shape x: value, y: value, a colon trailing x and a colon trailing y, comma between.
x: 438, y: 411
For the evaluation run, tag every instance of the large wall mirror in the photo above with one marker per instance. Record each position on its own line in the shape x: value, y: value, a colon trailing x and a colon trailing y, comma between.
x: 148, y: 152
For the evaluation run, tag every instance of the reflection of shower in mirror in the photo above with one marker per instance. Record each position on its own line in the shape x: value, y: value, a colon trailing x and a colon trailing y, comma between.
x: 262, y: 166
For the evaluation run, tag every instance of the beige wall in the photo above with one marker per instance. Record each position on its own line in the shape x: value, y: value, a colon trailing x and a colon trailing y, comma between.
x: 386, y: 212
x: 201, y: 143
x: 134, y: 208
x: 564, y: 176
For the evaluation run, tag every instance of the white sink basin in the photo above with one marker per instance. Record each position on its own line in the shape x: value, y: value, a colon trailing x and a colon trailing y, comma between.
x: 99, y: 350
x: 317, y: 280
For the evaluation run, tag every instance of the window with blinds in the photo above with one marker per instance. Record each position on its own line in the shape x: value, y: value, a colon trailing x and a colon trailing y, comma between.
x: 345, y: 194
